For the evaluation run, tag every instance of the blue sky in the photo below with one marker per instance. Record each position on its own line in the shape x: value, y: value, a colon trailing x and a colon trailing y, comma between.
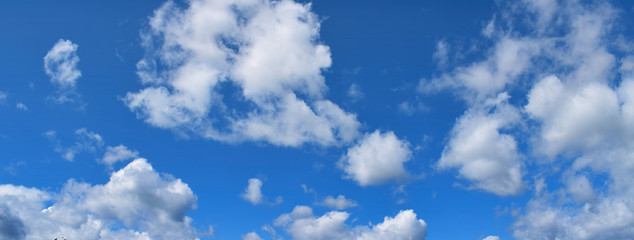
x: 252, y: 119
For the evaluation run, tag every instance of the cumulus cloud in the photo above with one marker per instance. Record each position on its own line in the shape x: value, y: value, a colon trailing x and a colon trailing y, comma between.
x: 339, y: 203
x: 253, y: 192
x: 60, y: 64
x: 585, y: 116
x: 574, y: 118
x: 136, y: 203
x: 267, y: 51
x: 376, y: 158
x: 491, y: 238
x: 481, y: 153
x: 301, y: 224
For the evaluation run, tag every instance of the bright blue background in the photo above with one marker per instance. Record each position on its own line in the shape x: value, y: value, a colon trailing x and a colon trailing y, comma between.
x: 385, y: 47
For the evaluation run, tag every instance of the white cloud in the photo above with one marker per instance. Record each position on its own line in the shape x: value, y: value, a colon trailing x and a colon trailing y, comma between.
x: 269, y: 50
x: 60, y: 63
x: 481, y: 153
x: 491, y: 238
x: 590, y: 121
x: 3, y: 97
x: 21, y: 106
x: 253, y: 192
x: 510, y: 58
x: 118, y: 153
x: 573, y: 118
x: 579, y: 113
x: 377, y: 158
x: 339, y: 203
x: 137, y: 203
x: 251, y: 236
x: 301, y: 224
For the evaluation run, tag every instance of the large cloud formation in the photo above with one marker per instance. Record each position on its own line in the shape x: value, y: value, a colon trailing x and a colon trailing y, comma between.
x: 580, y: 72
x: 239, y: 70
x: 137, y: 203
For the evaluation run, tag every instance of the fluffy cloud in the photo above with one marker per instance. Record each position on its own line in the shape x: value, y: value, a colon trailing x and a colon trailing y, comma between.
x: 574, y: 118
x: 137, y: 203
x: 377, y: 158
x: 267, y: 52
x: 585, y: 116
x: 253, y: 192
x: 482, y: 154
x: 118, y: 153
x: 3, y: 97
x: 60, y: 64
x: 491, y: 238
x: 301, y: 224
x: 339, y: 203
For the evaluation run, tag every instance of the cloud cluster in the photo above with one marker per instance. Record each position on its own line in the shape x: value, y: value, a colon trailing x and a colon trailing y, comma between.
x: 301, y: 224
x: 585, y: 115
x: 136, y: 203
x: 239, y: 70
x: 90, y: 142
x: 579, y: 110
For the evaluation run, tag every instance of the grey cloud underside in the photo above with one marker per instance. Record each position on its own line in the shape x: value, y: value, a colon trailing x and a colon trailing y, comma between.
x: 11, y: 227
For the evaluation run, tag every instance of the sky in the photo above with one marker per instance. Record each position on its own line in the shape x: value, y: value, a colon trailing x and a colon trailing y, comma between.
x: 258, y: 119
